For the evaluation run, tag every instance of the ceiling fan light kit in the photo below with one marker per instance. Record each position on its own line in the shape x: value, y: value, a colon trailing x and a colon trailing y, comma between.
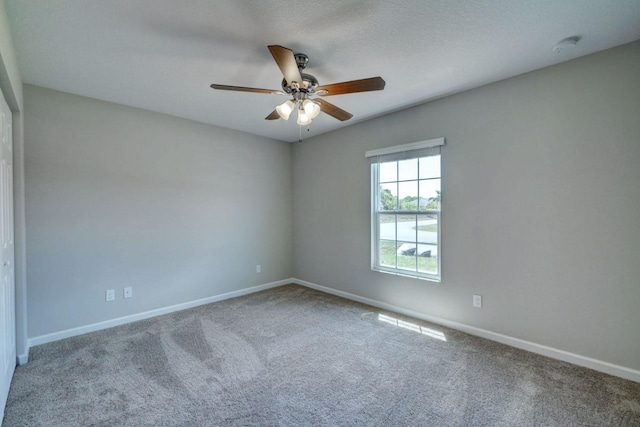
x: 303, y: 87
x: 303, y: 118
x: 311, y: 108
x: 307, y: 110
x: 284, y: 110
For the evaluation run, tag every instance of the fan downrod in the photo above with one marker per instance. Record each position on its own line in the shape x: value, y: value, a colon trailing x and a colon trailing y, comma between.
x: 302, y: 60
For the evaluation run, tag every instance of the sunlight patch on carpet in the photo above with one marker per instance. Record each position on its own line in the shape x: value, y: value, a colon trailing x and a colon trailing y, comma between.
x: 412, y: 327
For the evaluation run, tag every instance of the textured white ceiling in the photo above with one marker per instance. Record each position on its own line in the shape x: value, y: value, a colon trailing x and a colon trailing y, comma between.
x: 162, y: 55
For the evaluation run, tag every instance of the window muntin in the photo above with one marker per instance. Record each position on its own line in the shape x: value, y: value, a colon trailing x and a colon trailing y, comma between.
x: 406, y: 216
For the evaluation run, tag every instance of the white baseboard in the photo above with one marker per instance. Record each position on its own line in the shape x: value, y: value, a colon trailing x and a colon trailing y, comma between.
x: 23, y: 358
x: 55, y: 336
x: 576, y: 359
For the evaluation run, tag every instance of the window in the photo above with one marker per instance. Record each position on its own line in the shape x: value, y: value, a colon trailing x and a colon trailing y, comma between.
x: 406, y: 198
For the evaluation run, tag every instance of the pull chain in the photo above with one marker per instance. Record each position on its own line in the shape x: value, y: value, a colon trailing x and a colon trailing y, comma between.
x: 300, y: 132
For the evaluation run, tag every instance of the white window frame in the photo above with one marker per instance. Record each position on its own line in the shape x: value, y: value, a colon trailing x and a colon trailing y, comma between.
x: 400, y: 152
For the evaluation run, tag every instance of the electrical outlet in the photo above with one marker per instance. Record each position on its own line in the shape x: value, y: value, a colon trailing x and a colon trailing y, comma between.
x: 258, y: 268
x: 110, y: 294
x: 477, y: 301
x: 128, y: 292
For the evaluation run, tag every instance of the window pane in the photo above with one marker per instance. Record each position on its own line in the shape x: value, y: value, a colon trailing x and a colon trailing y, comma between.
x: 387, y: 253
x: 407, y: 256
x: 428, y: 229
x: 387, y: 227
x: 429, y: 194
x: 428, y: 265
x: 407, y: 169
x: 430, y: 167
x: 408, y: 195
x: 427, y: 250
x: 406, y: 227
x: 388, y: 171
x: 388, y: 197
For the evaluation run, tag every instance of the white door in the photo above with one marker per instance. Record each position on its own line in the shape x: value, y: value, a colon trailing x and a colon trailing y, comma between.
x: 7, y: 276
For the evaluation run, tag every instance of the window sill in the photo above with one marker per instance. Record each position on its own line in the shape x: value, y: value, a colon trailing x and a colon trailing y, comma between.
x: 410, y: 276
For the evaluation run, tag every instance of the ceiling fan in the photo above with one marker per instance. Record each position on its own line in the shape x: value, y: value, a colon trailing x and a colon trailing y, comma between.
x: 304, y: 87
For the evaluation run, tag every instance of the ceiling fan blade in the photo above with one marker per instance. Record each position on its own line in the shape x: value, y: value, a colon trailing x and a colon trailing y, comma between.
x: 287, y: 63
x: 273, y: 116
x: 332, y: 110
x: 246, y: 89
x: 362, y: 85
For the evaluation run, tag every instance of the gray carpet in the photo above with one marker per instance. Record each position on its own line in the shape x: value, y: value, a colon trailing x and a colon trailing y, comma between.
x: 292, y: 356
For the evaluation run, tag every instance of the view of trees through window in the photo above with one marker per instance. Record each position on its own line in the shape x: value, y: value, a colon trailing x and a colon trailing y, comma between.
x: 409, y: 203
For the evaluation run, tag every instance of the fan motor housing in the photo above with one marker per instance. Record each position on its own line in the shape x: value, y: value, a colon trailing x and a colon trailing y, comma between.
x: 309, y: 84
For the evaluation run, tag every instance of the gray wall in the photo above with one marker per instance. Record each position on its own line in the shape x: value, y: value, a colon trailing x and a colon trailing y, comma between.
x: 118, y: 196
x: 541, y: 207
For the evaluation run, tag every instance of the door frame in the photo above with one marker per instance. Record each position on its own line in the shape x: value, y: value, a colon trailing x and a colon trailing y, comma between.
x: 15, y: 102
